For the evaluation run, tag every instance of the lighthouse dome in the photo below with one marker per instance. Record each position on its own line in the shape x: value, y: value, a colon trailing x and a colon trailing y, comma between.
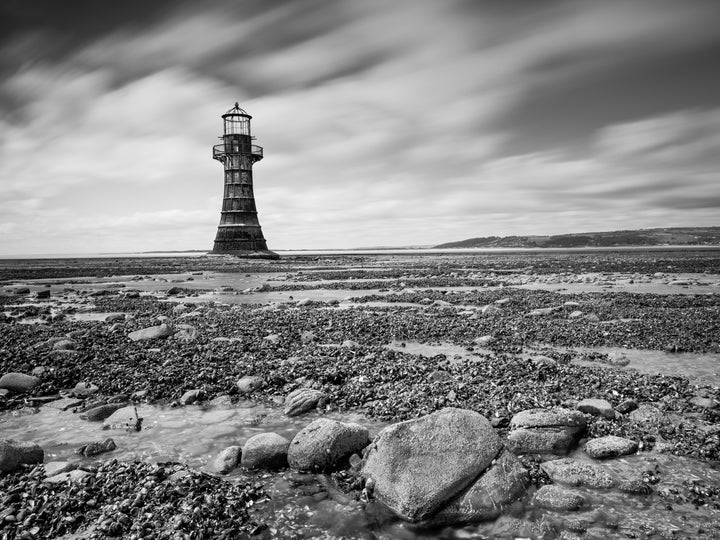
x: 236, y: 111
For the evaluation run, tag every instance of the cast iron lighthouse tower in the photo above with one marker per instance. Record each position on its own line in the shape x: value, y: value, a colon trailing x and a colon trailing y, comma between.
x: 239, y: 231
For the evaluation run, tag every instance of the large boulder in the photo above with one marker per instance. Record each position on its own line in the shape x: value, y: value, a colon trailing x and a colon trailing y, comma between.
x: 265, y: 451
x: 417, y: 466
x: 324, y: 445
x: 504, y: 482
x: 18, y: 382
x: 302, y: 400
x: 14, y: 453
x: 154, y: 332
x: 545, y: 431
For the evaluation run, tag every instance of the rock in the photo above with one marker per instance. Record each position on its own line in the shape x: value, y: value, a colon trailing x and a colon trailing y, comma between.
x: 56, y: 467
x: 490, y: 309
x: 596, y: 407
x: 610, y: 446
x: 97, y: 447
x: 592, y: 317
x: 307, y: 337
x: 64, y: 345
x: 618, y: 359
x: 324, y: 445
x: 304, y: 302
x: 39, y: 371
x: 248, y: 384
x: 42, y: 295
x: 115, y: 317
x: 575, y: 314
x: 418, y: 465
x: 64, y: 404
x: 574, y: 472
x: 647, y: 414
x: 71, y: 476
x: 539, y: 312
x: 265, y: 451
x: 83, y: 389
x: 704, y: 402
x: 272, y: 338
x: 545, y: 431
x: 185, y: 332
x: 172, y: 291
x: 502, y: 483
x: 125, y: 418
x: 14, y: 453
x: 350, y: 344
x: 97, y: 414
x: 558, y: 498
x: 626, y: 406
x: 302, y: 400
x: 191, y: 396
x: 228, y: 459
x: 22, y: 291
x: 483, y: 341
x: 18, y: 382
x: 154, y: 332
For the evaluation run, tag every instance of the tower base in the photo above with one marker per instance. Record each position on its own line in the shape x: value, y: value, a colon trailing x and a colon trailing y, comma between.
x: 248, y: 254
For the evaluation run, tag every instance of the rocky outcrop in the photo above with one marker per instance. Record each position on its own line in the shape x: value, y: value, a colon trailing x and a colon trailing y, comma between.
x: 545, y: 431
x: 325, y: 445
x: 417, y: 466
x: 265, y: 451
x: 302, y: 400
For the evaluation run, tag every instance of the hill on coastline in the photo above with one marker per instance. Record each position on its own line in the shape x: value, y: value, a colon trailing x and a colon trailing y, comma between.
x: 677, y: 236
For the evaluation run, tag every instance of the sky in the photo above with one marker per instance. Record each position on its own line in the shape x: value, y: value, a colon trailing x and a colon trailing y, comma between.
x: 384, y: 122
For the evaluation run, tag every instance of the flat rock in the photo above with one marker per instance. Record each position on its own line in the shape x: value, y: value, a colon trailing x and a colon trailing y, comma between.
x: 14, y: 453
x: 325, y: 445
x: 228, y: 459
x: 63, y: 404
x: 154, y: 332
x: 610, y: 446
x: 558, y: 417
x: 18, y: 382
x: 502, y: 483
x: 97, y: 414
x: 248, y: 384
x: 71, y: 476
x: 596, y: 407
x: 419, y: 465
x: 84, y: 389
x: 123, y: 418
x: 265, y: 451
x: 64, y: 345
x: 56, y: 467
x: 574, y: 472
x: 558, y: 498
x: 302, y: 400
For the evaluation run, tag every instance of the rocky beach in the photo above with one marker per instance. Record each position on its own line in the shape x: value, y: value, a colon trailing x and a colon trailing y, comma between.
x: 528, y: 394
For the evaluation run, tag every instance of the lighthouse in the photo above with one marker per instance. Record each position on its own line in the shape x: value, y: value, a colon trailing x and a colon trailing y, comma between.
x: 239, y: 232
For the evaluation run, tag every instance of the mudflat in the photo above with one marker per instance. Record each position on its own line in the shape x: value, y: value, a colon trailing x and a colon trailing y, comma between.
x: 206, y: 349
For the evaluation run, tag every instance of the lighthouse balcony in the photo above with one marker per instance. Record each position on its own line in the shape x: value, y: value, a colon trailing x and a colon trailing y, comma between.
x: 222, y: 150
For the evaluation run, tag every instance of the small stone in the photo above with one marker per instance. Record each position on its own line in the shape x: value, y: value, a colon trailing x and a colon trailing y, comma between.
x: 56, y: 467
x: 558, y: 498
x: 627, y: 406
x: 64, y: 345
x: 228, y: 459
x: 97, y: 414
x: 191, y: 396
x: 704, y: 402
x: 302, y: 400
x: 610, y: 446
x: 154, y: 332
x: 97, y: 447
x: 324, y: 444
x: 83, y: 389
x: 596, y: 407
x: 578, y: 473
x: 265, y: 451
x: 115, y: 318
x: 248, y: 384
x: 70, y: 476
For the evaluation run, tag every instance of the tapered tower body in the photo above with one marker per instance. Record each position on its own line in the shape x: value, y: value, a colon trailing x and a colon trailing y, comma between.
x: 239, y: 232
